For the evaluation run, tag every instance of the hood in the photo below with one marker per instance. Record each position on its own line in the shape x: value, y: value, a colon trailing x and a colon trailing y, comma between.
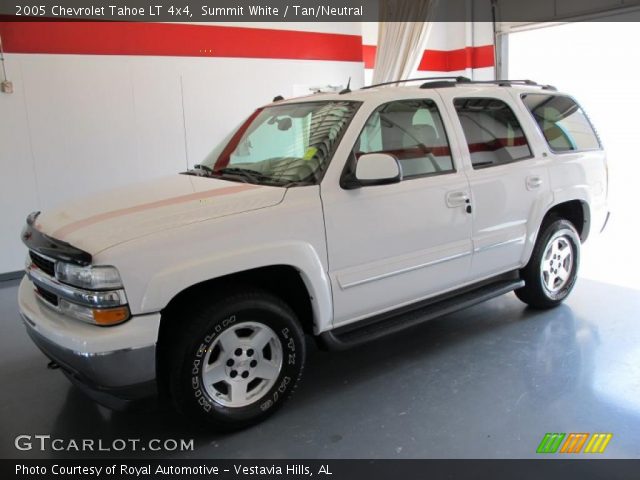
x: 101, y: 221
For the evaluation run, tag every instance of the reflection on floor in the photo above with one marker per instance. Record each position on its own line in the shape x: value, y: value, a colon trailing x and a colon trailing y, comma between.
x: 486, y: 382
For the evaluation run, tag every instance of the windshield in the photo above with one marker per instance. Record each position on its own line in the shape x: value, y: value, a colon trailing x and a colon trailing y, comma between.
x: 282, y: 145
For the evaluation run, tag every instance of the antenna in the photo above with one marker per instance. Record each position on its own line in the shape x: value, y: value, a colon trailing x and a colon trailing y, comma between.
x: 346, y: 90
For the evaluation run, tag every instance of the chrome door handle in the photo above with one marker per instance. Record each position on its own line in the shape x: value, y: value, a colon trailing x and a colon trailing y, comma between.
x: 533, y: 181
x: 457, y: 199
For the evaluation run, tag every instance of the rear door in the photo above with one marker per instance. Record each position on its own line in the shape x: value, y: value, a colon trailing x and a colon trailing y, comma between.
x: 509, y: 181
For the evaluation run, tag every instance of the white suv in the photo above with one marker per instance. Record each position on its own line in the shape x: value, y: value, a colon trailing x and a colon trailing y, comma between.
x: 339, y: 216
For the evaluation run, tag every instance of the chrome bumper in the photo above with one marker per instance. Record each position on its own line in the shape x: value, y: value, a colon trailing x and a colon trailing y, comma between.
x: 113, y: 379
x: 114, y: 365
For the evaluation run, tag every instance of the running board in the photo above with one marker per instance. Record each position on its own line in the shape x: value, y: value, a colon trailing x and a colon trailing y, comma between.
x: 412, y: 315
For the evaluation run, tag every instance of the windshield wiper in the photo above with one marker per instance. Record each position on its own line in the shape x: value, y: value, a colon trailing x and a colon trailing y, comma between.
x: 251, y: 175
x: 200, y: 170
x: 200, y: 166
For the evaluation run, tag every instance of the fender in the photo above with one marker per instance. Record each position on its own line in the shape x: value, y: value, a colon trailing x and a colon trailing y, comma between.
x: 167, y: 283
x: 541, y: 209
x: 584, y: 194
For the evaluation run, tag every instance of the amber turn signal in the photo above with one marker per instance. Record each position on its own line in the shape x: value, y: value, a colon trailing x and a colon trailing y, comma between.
x: 110, y: 316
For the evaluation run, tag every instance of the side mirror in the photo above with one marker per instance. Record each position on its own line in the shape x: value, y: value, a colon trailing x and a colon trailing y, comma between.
x: 377, y: 169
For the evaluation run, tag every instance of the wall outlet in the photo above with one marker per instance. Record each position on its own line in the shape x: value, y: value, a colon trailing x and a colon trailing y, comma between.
x: 6, y: 86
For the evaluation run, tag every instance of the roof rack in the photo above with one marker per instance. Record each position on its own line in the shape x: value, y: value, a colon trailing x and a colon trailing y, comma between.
x: 441, y: 82
x: 458, y: 79
x: 508, y: 83
x: 436, y: 83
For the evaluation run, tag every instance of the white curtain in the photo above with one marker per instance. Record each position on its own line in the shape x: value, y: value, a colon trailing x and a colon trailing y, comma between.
x: 402, y: 44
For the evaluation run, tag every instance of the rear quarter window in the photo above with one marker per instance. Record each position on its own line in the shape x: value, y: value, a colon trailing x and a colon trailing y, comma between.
x: 564, y: 124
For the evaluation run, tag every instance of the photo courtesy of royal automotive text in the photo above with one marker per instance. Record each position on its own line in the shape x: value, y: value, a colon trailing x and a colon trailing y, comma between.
x: 340, y: 239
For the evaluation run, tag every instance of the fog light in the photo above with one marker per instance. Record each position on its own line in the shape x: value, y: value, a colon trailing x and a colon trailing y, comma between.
x: 102, y: 316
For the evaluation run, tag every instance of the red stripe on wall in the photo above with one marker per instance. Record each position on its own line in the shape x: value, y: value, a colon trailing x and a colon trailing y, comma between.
x: 181, y: 40
x: 453, y: 60
x: 443, y: 60
x: 369, y: 55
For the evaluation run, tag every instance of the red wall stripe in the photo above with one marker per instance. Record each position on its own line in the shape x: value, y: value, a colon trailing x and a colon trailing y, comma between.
x: 443, y: 60
x: 182, y: 40
x: 453, y: 60
x: 168, y: 39
x: 369, y: 56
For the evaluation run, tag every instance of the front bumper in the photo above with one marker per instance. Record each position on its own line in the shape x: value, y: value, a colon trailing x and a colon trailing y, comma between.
x: 114, y: 365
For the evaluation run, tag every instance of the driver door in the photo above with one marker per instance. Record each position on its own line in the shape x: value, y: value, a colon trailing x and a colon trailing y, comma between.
x: 392, y: 245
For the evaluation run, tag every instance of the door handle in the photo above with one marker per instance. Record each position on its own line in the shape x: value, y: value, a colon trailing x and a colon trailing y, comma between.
x: 457, y: 199
x: 533, y: 181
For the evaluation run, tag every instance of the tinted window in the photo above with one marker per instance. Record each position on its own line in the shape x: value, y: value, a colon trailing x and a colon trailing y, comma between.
x: 492, y: 131
x: 562, y: 121
x: 412, y: 131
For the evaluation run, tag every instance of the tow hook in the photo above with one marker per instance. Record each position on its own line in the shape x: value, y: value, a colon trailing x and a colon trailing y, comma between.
x: 52, y: 365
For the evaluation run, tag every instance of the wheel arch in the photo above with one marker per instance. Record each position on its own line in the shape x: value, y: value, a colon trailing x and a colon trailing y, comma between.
x: 284, y: 281
x: 575, y: 211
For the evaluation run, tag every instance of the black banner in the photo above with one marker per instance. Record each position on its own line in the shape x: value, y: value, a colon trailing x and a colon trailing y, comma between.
x: 315, y: 10
x: 330, y: 469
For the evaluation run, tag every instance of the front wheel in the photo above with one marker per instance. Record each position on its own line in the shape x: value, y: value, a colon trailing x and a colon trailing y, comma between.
x: 238, y: 360
x: 552, y: 270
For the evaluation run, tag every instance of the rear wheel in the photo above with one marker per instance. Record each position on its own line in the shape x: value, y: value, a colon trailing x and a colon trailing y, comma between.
x: 552, y: 270
x: 238, y: 361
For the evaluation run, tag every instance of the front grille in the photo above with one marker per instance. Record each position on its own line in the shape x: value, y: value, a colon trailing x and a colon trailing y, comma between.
x: 47, y: 296
x: 47, y: 266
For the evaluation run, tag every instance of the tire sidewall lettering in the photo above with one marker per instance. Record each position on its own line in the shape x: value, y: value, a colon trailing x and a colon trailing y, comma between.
x: 278, y: 391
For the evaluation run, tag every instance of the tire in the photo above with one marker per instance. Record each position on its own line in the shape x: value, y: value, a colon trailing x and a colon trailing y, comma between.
x: 238, y: 361
x: 552, y: 270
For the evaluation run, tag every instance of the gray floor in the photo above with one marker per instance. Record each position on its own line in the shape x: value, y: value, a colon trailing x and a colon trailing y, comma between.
x: 487, y: 382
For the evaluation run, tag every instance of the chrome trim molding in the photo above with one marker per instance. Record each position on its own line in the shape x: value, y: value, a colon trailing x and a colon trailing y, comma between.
x: 402, y: 270
x: 87, y: 298
x: 500, y: 244
x: 51, y: 259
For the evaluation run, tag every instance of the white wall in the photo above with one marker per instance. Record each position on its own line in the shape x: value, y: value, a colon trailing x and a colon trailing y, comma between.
x: 444, y: 36
x: 77, y: 124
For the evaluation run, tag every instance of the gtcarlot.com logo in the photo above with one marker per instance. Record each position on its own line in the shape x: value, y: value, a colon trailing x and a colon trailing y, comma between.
x: 574, y: 443
x: 45, y: 443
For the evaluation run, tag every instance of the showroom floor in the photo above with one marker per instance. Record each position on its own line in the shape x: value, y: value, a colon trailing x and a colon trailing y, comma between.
x: 486, y: 382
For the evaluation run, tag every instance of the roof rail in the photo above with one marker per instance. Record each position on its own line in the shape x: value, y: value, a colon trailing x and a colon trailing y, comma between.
x: 508, y: 83
x: 451, y: 81
x: 437, y: 83
x: 458, y: 79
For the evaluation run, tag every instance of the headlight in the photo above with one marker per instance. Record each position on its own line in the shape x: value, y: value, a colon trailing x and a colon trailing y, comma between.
x: 90, y: 278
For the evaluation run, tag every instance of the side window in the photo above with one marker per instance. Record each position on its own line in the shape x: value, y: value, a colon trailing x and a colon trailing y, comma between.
x: 563, y: 123
x: 492, y: 131
x: 413, y: 132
